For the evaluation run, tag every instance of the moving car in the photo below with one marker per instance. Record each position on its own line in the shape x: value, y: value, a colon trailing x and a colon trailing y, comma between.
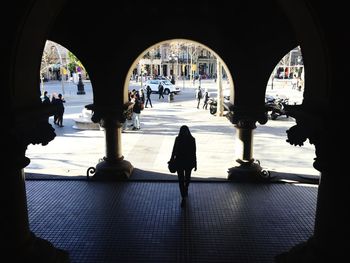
x: 168, y: 86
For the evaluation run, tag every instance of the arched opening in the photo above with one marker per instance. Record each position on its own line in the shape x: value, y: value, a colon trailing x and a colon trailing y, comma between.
x: 62, y: 72
x: 284, y: 87
x: 183, y: 66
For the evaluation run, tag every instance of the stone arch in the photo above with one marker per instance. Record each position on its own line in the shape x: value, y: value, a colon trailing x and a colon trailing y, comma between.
x: 310, y: 36
x: 27, y: 53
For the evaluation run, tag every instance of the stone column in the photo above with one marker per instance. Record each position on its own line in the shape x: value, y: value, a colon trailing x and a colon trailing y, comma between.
x: 247, y: 169
x: 113, y: 166
x: 220, y: 96
x: 19, y: 243
x: 328, y: 242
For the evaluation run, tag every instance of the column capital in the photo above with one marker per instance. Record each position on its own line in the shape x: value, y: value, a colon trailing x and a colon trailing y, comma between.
x: 29, y: 126
x: 245, y: 118
x: 107, y: 115
x: 310, y: 124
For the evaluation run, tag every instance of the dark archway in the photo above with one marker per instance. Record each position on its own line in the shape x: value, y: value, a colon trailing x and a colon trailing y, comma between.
x: 34, y: 22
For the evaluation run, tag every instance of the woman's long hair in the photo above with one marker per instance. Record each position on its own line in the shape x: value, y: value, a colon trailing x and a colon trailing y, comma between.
x: 184, y: 132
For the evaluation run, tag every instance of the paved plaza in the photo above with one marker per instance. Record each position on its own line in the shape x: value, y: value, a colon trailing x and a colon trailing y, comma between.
x: 141, y: 220
x: 73, y: 151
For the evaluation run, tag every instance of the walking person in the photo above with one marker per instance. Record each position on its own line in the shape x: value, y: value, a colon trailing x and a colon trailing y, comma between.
x: 198, y: 95
x: 60, y: 110
x: 160, y: 90
x: 136, y: 111
x: 148, y: 97
x: 142, y: 95
x: 54, y: 102
x: 206, y: 98
x: 127, y: 114
x: 46, y: 99
x: 184, y: 154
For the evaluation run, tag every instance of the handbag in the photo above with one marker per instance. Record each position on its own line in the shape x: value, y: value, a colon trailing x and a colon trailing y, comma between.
x: 172, y: 166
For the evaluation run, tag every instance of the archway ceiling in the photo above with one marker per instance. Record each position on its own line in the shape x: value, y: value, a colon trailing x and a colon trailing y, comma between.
x: 250, y: 37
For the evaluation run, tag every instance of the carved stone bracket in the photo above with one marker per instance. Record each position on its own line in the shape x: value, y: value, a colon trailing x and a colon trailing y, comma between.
x: 29, y: 127
x: 310, y: 125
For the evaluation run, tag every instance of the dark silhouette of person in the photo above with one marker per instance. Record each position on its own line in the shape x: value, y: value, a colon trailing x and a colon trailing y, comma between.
x: 161, y: 90
x: 148, y: 97
x: 46, y: 99
x: 60, y: 110
x: 54, y: 102
x: 184, y: 154
x: 199, y: 95
x: 172, y: 80
x: 206, y: 98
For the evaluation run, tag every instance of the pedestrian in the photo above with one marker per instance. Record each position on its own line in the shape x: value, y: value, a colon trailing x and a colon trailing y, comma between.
x: 127, y: 114
x: 184, y: 154
x: 160, y: 90
x: 142, y: 95
x: 54, y: 102
x: 46, y: 99
x: 136, y: 111
x: 300, y: 84
x: 148, y: 97
x: 60, y: 110
x: 206, y: 98
x: 199, y: 95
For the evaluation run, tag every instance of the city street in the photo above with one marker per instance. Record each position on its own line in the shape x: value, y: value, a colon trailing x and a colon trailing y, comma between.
x: 73, y: 151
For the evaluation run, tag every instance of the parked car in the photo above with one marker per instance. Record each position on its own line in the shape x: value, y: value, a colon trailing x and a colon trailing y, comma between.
x: 168, y: 86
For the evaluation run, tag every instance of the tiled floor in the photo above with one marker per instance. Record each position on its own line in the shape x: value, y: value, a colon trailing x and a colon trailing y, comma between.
x: 143, y: 221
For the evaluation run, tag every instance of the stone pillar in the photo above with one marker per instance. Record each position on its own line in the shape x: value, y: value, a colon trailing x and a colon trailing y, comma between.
x: 220, y: 96
x: 329, y: 241
x: 247, y: 169
x: 113, y: 166
x: 19, y: 243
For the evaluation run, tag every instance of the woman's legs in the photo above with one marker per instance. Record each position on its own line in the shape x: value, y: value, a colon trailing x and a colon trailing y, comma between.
x: 187, y: 180
x: 137, y: 120
x: 184, y: 176
x: 181, y: 176
x: 60, y: 119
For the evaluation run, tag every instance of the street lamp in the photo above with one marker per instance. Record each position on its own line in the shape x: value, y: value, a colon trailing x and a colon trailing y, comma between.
x: 80, y: 84
x: 61, y: 63
x: 172, y: 59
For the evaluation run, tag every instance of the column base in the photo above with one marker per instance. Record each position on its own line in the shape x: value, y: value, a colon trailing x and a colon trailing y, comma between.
x: 116, y: 170
x: 311, y: 252
x: 41, y: 251
x: 248, y: 172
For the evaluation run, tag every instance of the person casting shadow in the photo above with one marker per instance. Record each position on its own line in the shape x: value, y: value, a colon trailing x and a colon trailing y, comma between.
x: 60, y: 110
x: 184, y: 154
x: 161, y: 90
x: 148, y: 96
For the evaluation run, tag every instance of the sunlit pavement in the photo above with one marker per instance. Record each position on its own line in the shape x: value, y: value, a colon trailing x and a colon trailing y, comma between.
x: 73, y: 151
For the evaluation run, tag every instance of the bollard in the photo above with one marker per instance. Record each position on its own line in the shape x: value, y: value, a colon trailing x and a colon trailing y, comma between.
x: 171, y: 97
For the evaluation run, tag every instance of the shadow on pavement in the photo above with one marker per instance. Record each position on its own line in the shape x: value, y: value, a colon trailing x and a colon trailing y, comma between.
x: 140, y: 175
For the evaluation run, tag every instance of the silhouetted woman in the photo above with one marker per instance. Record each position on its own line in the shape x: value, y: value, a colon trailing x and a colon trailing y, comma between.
x: 184, y: 153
